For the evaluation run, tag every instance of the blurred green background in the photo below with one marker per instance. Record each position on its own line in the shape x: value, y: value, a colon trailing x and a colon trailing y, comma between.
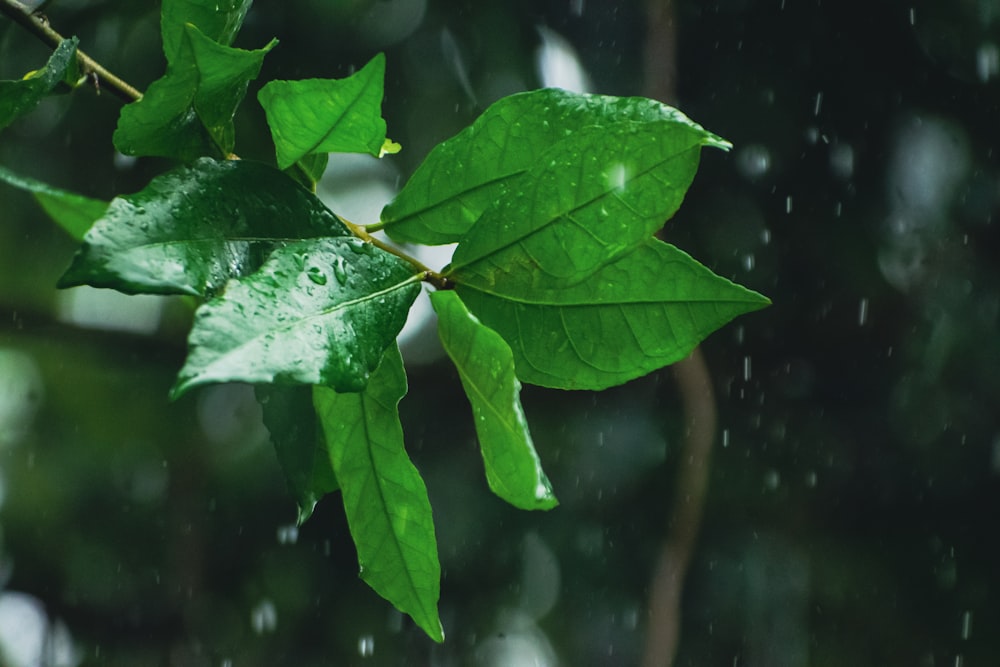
x: 850, y: 513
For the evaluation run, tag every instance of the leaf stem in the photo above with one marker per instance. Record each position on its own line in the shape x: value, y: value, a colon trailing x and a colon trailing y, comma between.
x: 37, y: 25
x: 429, y: 275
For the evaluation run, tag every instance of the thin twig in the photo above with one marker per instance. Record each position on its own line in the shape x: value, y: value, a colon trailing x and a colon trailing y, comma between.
x: 39, y: 27
x: 430, y: 275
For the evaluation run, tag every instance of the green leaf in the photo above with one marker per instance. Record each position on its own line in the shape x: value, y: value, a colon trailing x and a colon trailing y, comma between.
x: 298, y: 441
x: 486, y: 367
x: 593, y: 197
x: 319, y: 311
x: 74, y: 213
x: 385, y: 499
x: 189, y: 112
x: 219, y: 20
x: 192, y: 229
x: 466, y: 174
x: 20, y: 97
x: 326, y: 115
x: 644, y: 311
x: 309, y: 169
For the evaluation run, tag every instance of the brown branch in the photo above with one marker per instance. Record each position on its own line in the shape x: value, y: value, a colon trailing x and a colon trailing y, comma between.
x: 663, y: 631
x: 695, y: 386
x: 39, y: 27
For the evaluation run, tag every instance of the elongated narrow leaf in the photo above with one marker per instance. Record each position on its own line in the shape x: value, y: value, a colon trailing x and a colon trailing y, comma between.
x: 189, y: 112
x: 384, y: 496
x: 326, y: 115
x: 219, y: 20
x: 74, y: 213
x: 646, y: 310
x: 192, y: 229
x: 594, y: 196
x: 19, y: 97
x: 299, y: 443
x: 486, y: 367
x: 468, y: 173
x: 320, y: 311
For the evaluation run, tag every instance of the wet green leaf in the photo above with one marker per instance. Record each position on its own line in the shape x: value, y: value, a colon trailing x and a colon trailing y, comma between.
x: 644, y: 311
x: 219, y: 20
x: 20, y: 97
x: 467, y: 174
x: 326, y: 115
x: 593, y: 197
x: 189, y: 112
x: 486, y: 367
x: 384, y: 496
x: 193, y: 228
x: 299, y: 443
x: 74, y: 213
x: 319, y: 311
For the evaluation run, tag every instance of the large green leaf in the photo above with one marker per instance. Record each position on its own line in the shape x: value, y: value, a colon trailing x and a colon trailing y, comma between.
x: 20, y: 97
x: 319, y: 311
x: 644, y: 311
x: 74, y: 213
x: 486, y: 367
x: 326, y: 115
x: 298, y: 441
x: 219, y: 20
x: 593, y: 197
x: 384, y: 497
x: 193, y: 228
x: 189, y: 112
x: 468, y: 173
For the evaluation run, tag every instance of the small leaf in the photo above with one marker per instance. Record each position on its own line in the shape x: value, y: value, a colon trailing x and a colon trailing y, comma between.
x: 298, y: 441
x: 219, y: 20
x: 468, y: 173
x: 644, y: 311
x: 385, y: 499
x: 20, y: 97
x: 486, y: 367
x: 593, y: 197
x: 74, y: 213
x: 309, y: 169
x: 189, y: 112
x: 326, y: 115
x: 320, y: 311
x: 192, y: 229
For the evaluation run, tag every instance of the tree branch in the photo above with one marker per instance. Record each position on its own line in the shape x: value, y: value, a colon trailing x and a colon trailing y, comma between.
x: 39, y: 27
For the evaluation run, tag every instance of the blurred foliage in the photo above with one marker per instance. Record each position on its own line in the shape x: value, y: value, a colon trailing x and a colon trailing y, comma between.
x: 848, y: 518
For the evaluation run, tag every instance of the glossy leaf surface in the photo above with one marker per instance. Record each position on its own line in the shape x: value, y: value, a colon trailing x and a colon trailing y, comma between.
x: 219, y: 20
x: 326, y: 115
x: 320, y: 311
x: 299, y: 444
x: 467, y: 174
x: 596, y: 195
x: 192, y: 229
x: 486, y: 367
x: 640, y: 313
x: 19, y: 97
x: 384, y: 496
x: 189, y: 112
x: 74, y: 213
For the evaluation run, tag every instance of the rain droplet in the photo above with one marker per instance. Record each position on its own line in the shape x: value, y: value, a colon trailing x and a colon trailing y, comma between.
x: 288, y: 534
x: 316, y: 275
x: 366, y: 646
x: 862, y: 312
x: 264, y: 617
x: 340, y: 270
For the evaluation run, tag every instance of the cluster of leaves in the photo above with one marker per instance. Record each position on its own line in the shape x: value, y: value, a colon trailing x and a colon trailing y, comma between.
x: 552, y: 198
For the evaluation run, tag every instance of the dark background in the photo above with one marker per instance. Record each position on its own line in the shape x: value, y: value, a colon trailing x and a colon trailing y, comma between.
x: 851, y: 513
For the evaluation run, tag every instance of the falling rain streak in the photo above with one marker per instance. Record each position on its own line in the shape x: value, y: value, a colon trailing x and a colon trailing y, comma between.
x: 862, y: 312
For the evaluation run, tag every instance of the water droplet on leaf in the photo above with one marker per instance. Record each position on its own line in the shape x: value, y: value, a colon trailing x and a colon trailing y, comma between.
x: 316, y: 275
